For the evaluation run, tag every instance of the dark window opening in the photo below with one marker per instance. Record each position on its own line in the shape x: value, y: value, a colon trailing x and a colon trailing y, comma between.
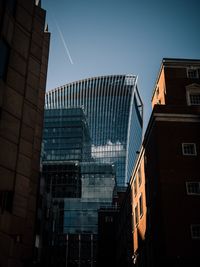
x: 6, y: 201
x: 11, y: 5
x: 4, y: 56
x: 195, y: 231
x: 136, y: 215
x: 141, y: 205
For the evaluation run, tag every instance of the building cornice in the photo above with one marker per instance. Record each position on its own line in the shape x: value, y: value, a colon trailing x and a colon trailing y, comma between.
x: 175, y: 63
x: 176, y: 117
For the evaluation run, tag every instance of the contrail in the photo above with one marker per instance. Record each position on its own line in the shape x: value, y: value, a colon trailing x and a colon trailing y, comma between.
x: 64, y: 43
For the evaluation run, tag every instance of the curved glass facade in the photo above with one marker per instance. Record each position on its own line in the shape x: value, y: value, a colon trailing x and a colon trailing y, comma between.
x: 113, y: 109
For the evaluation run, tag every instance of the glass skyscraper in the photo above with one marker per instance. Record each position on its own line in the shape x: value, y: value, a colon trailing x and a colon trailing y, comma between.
x: 114, y: 112
x: 77, y: 186
x: 66, y: 135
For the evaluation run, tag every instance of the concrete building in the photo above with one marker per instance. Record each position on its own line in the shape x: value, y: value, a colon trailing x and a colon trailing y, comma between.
x: 165, y: 185
x: 24, y: 45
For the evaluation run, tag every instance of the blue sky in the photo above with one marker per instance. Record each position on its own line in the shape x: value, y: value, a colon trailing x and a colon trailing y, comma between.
x: 102, y: 37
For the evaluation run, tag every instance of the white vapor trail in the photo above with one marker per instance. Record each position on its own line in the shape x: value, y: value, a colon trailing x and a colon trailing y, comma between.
x: 64, y: 43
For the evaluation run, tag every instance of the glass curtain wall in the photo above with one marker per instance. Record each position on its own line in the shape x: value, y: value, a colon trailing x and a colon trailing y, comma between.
x: 78, y: 187
x: 114, y: 113
x: 66, y: 135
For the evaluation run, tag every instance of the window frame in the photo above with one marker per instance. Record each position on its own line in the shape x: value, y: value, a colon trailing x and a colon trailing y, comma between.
x: 108, y: 219
x: 136, y: 215
x: 192, y: 89
x: 192, y: 70
x: 194, y: 94
x: 135, y: 186
x: 192, y: 231
x: 188, y: 154
x: 141, y: 208
x: 139, y: 173
x: 187, y: 188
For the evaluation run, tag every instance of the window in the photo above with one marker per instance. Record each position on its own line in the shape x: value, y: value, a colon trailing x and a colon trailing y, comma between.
x: 129, y: 80
x: 136, y: 215
x: 194, y: 98
x: 195, y: 231
x: 189, y: 149
x: 132, y: 222
x: 139, y: 176
x: 108, y: 219
x: 192, y: 73
x: 4, y: 54
x: 193, y: 94
x: 135, y: 186
x: 6, y: 201
x: 11, y: 4
x: 193, y: 188
x: 141, y: 205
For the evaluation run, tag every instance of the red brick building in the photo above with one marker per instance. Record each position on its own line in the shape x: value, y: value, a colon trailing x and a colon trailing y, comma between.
x: 24, y: 46
x: 165, y: 186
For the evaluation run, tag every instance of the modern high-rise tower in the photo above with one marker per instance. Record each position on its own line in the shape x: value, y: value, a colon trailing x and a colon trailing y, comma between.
x: 114, y: 112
